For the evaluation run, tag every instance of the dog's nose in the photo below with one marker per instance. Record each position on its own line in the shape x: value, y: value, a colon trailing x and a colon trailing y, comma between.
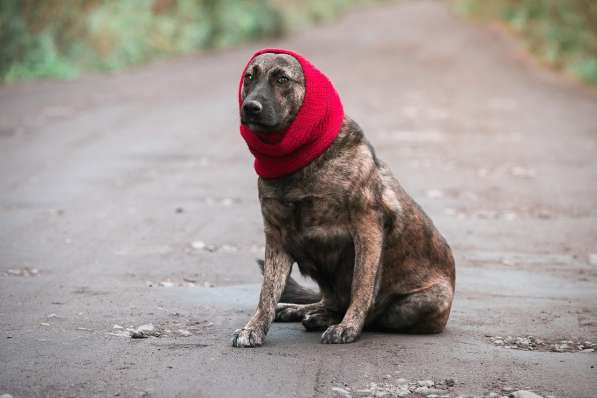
x: 252, y: 108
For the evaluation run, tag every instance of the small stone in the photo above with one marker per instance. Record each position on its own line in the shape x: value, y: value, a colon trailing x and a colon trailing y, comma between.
x: 121, y: 333
x: 341, y: 392
x: 524, y: 394
x: 25, y: 271
x: 523, y: 342
x: 166, y: 283
x: 44, y: 324
x: 144, y: 331
x: 146, y: 328
x: 199, y: 245
x: 208, y: 284
x: 427, y: 390
x: 211, y: 248
x: 184, y: 332
x: 425, y: 383
x: 117, y: 327
x: 450, y: 382
x: 560, y: 347
x: 52, y: 315
x: 179, y: 210
x: 507, y: 389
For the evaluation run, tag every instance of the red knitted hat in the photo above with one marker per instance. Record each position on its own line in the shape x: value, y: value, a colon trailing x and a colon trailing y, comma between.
x: 312, y: 131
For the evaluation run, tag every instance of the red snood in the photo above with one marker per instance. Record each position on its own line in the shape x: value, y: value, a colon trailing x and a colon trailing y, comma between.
x: 312, y: 131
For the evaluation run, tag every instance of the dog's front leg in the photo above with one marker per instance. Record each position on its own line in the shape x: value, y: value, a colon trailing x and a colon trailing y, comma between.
x: 368, y: 241
x: 275, y: 274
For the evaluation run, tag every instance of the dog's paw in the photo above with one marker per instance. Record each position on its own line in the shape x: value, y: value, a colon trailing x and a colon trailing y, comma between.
x: 246, y: 337
x: 288, y: 313
x: 339, y: 334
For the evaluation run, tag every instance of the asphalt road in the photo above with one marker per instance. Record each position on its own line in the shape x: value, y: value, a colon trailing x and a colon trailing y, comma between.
x: 130, y: 199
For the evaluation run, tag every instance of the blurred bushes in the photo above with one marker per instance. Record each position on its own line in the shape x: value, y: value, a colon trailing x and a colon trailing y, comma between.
x: 60, y: 38
x: 561, y: 32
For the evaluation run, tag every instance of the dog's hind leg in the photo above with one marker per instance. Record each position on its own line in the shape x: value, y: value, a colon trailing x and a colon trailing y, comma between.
x: 286, y: 312
x: 423, y: 312
x: 314, y: 316
x: 321, y: 318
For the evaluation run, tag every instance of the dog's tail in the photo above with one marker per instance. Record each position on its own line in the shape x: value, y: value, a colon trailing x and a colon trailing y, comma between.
x: 293, y: 292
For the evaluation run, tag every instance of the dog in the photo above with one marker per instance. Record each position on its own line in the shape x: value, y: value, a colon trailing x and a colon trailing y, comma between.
x: 378, y: 260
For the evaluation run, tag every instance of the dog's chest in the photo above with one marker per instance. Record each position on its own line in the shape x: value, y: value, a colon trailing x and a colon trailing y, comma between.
x: 304, y: 220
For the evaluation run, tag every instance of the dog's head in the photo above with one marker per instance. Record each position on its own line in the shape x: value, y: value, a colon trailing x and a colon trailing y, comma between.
x: 273, y: 89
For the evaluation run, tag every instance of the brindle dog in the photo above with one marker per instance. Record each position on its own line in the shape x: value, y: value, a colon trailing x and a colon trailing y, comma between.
x: 345, y: 220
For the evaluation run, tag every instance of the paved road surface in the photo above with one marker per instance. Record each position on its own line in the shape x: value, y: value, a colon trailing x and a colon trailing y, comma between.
x: 113, y: 188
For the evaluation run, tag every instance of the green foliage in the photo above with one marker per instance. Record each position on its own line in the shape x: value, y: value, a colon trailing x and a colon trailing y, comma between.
x: 60, y: 38
x: 561, y: 32
x: 41, y: 59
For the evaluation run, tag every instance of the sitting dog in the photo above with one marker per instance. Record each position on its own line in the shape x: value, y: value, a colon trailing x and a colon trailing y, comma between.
x: 333, y: 207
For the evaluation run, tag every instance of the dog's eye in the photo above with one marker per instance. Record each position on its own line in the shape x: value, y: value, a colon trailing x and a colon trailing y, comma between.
x: 248, y: 77
x: 282, y: 80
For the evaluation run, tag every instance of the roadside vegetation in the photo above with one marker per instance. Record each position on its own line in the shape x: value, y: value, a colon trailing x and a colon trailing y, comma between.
x: 62, y: 38
x: 562, y: 33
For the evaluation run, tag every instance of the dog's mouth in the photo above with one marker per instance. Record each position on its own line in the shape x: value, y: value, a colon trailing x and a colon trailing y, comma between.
x: 258, y: 125
x: 266, y: 133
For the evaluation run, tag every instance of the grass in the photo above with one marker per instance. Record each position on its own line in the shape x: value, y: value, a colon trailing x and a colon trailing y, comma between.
x: 62, y: 38
x: 562, y: 33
